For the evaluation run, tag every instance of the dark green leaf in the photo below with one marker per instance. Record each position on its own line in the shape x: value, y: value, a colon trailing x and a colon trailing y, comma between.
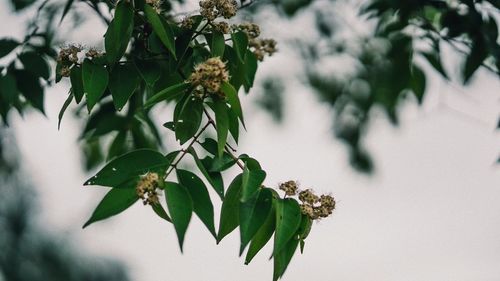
x: 118, y: 146
x: 95, y: 81
x: 262, y: 236
x: 129, y: 167
x: 240, y: 44
x: 180, y: 207
x: 253, y: 213
x: 217, y: 43
x: 119, y: 32
x: 158, y: 209
x: 7, y: 45
x: 304, y: 229
x: 250, y: 70
x: 115, y: 202
x: 234, y: 125
x: 288, y: 217
x: 214, y: 178
x: 202, y: 204
x: 418, y: 83
x: 229, y: 217
x: 210, y: 145
x: 251, y: 182
x: 8, y: 88
x: 219, y: 164
x: 167, y: 94
x: 77, y: 83
x: 283, y: 258
x: 170, y: 125
x: 475, y: 59
x: 222, y: 124
x: 162, y: 29
x: 149, y: 70
x: 233, y: 100
x: 63, y: 109
x: 189, y: 119
x: 36, y: 64
x: 123, y: 81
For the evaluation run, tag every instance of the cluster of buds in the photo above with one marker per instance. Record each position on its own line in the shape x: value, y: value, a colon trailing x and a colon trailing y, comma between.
x: 222, y: 27
x: 251, y: 29
x: 156, y: 4
x: 314, y: 206
x: 146, y: 188
x: 290, y: 188
x: 261, y: 47
x: 68, y: 56
x: 211, y: 9
x: 210, y: 75
x: 187, y: 23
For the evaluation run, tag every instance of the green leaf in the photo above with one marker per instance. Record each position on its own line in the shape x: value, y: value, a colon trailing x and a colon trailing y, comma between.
x: 180, y: 207
x: 158, y: 209
x: 129, y: 167
x: 240, y: 44
x: 67, y: 7
x: 435, y: 60
x: 189, y: 119
x: 283, y: 258
x: 217, y: 43
x: 36, y: 64
x: 219, y: 164
x: 123, y: 81
x: 7, y: 45
x: 262, y: 236
x: 77, y: 83
x: 222, y: 124
x: 418, y: 83
x: 202, y: 204
x: 251, y: 182
x: 229, y: 217
x: 210, y: 145
x: 214, y: 178
x: 475, y: 59
x: 167, y: 94
x: 162, y: 29
x: 115, y: 202
x: 95, y: 81
x: 63, y: 109
x: 119, y: 32
x: 234, y: 125
x: 149, y: 70
x: 8, y: 88
x: 30, y: 88
x: 233, y: 100
x: 118, y: 146
x: 253, y: 214
x: 304, y: 229
x: 250, y: 70
x: 288, y: 217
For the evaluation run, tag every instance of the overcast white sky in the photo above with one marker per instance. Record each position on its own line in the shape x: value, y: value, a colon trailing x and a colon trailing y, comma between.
x: 431, y: 211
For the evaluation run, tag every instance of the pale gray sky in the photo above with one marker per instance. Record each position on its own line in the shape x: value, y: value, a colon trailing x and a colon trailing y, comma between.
x: 431, y: 211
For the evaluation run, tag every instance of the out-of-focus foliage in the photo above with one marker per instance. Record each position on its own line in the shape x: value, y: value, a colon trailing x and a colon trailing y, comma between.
x: 388, y: 58
x: 28, y: 251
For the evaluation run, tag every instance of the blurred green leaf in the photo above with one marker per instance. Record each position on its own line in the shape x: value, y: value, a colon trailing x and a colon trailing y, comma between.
x: 63, y: 109
x: 7, y: 45
x: 418, y: 83
x: 167, y: 94
x: 36, y: 64
x: 217, y: 43
x: 240, y: 44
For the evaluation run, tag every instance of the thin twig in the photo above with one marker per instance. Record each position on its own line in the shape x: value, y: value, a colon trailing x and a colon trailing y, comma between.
x: 185, y: 150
